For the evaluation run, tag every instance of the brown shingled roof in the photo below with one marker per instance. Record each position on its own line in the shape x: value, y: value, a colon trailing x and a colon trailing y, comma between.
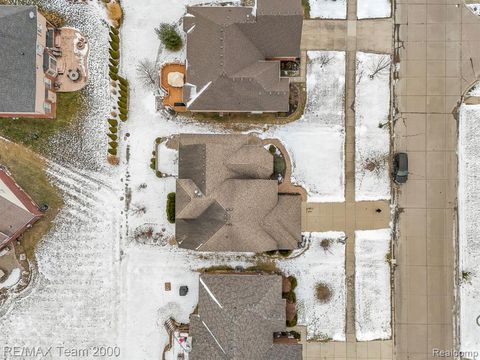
x: 227, y: 49
x: 238, y: 315
x: 17, y: 209
x: 236, y: 206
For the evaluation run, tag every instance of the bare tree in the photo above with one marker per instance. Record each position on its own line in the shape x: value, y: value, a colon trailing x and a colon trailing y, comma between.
x: 148, y: 74
x: 325, y: 59
x: 381, y: 65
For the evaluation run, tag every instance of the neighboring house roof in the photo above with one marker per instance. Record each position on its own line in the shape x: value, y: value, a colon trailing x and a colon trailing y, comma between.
x: 18, y: 42
x: 16, y: 208
x: 237, y: 317
x: 227, y: 49
x: 226, y: 201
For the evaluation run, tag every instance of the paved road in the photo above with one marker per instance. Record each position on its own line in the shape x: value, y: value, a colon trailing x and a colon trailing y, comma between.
x: 438, y: 51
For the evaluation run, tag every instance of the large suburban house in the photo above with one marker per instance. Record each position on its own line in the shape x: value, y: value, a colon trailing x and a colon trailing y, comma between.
x: 241, y: 316
x: 18, y: 212
x: 226, y: 199
x: 36, y: 61
x: 234, y: 54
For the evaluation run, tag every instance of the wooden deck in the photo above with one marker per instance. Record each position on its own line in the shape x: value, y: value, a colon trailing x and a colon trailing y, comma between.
x: 174, y: 94
x: 74, y: 58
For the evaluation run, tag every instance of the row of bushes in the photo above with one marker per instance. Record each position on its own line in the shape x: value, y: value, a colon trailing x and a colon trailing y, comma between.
x: 122, y: 85
x: 291, y: 299
x: 171, y: 207
x: 112, y: 134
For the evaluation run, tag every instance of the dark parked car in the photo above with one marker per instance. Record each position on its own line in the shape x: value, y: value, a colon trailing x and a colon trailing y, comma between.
x: 400, y: 168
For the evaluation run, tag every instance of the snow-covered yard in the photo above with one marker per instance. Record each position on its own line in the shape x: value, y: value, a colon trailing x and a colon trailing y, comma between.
x: 328, y: 9
x: 369, y: 9
x: 372, y: 135
x: 316, y: 141
x: 469, y: 226
x: 372, y: 285
x: 322, y: 263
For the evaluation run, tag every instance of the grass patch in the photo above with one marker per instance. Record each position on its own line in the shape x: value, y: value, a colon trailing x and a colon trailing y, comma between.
x: 28, y: 169
x: 306, y: 9
x: 36, y: 133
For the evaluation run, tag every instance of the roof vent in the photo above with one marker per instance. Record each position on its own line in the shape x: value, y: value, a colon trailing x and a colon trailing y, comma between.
x: 31, y: 15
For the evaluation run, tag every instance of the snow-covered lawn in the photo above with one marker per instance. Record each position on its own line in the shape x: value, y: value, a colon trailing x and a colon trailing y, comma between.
x: 372, y: 136
x: 372, y: 285
x: 320, y: 265
x: 316, y: 141
x: 328, y: 9
x: 469, y: 226
x: 368, y: 9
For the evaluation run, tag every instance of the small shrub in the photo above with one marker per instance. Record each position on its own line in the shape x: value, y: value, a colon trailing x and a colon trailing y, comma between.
x: 113, y: 62
x: 113, y: 76
x: 115, y: 55
x: 113, y: 122
x: 295, y: 335
x: 290, y: 296
x: 272, y: 149
x: 325, y: 244
x: 169, y: 37
x: 113, y: 69
x: 285, y: 253
x: 293, y: 322
x: 113, y: 129
x: 152, y: 166
x: 114, y: 46
x: 159, y: 174
x: 466, y: 276
x: 293, y: 282
x: 112, y: 151
x: 123, y: 81
x: 113, y: 144
x: 123, y: 117
x: 113, y: 137
x: 171, y: 207
x: 323, y: 292
x: 114, y: 37
x: 158, y: 140
x: 114, y: 30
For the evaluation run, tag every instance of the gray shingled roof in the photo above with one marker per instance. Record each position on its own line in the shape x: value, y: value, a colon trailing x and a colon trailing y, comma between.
x: 227, y: 49
x: 237, y: 317
x: 18, y: 40
x: 226, y: 200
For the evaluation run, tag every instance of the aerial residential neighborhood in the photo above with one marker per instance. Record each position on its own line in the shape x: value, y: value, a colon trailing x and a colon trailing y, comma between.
x: 239, y: 179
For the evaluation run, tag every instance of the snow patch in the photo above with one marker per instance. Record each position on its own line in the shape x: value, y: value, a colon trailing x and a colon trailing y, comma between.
x: 372, y: 9
x: 372, y: 136
x: 328, y: 9
x: 372, y: 285
x: 469, y: 226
